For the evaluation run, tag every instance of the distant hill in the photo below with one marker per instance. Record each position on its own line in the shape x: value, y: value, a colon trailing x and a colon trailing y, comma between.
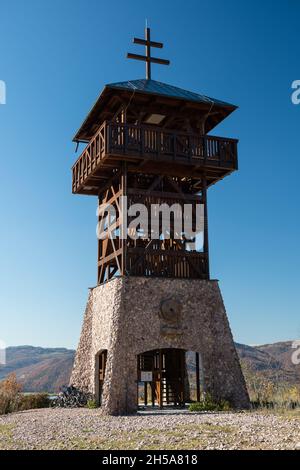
x: 39, y: 369
x: 47, y: 369
x: 272, y: 361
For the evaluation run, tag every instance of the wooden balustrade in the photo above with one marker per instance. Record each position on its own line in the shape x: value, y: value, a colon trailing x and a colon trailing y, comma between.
x: 90, y: 158
x: 170, y: 263
x: 126, y: 140
x: 143, y: 140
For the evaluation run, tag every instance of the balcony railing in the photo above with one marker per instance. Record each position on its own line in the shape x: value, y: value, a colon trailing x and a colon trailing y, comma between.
x: 131, y: 141
x: 161, y: 263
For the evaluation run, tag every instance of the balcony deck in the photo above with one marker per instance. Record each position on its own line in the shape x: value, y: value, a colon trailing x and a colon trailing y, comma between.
x: 157, y: 150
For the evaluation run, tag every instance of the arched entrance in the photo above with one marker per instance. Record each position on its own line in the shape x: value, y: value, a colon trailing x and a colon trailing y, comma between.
x: 101, y: 358
x: 168, y: 377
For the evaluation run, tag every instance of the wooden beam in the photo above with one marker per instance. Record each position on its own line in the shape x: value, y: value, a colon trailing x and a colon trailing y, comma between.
x: 205, y: 241
x: 198, y: 377
x: 166, y: 195
x: 110, y: 257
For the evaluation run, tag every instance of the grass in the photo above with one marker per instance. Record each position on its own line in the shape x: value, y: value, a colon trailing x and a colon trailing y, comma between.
x: 281, y: 411
x: 6, y: 436
x: 208, y: 404
x: 6, y: 430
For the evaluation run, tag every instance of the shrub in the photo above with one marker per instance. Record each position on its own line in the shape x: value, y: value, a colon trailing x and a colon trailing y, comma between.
x: 208, y: 404
x: 34, y: 400
x: 72, y: 397
x: 270, y: 391
x: 11, y: 398
x: 9, y: 394
x: 92, y: 404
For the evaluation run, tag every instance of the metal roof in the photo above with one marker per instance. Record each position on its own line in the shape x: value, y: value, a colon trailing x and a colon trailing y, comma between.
x: 152, y: 87
x: 159, y: 88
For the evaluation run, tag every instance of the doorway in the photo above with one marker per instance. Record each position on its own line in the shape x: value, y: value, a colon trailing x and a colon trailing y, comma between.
x: 162, y: 378
x: 101, y: 359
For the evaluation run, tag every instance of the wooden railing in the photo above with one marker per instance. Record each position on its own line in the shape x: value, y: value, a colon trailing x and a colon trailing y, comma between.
x: 167, y: 263
x: 156, y: 143
x: 144, y: 140
x: 90, y: 158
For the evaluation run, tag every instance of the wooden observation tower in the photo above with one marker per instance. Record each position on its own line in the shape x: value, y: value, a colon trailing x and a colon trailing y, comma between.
x: 147, y: 144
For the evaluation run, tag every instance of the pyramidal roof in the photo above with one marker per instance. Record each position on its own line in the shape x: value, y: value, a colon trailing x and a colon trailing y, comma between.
x: 159, y: 88
x: 151, y: 87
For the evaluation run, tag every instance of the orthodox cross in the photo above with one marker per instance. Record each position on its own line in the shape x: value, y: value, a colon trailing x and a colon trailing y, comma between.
x: 147, y: 58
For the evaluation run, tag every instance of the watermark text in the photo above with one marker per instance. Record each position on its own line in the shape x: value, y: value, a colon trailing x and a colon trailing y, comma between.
x: 2, y: 92
x: 295, y: 97
x: 296, y: 354
x: 2, y: 353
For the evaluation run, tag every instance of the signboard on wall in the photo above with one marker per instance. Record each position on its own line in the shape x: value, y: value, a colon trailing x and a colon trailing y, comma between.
x: 146, y: 376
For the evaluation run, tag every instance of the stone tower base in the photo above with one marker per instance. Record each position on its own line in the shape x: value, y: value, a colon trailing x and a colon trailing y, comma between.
x: 129, y: 315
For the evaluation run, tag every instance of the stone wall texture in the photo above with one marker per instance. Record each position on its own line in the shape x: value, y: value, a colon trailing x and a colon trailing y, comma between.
x: 124, y: 317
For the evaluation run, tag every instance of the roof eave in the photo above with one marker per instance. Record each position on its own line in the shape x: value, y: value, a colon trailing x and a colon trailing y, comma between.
x: 220, y: 104
x: 76, y: 137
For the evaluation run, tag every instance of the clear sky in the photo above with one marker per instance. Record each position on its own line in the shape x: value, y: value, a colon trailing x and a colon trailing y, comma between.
x: 55, y: 57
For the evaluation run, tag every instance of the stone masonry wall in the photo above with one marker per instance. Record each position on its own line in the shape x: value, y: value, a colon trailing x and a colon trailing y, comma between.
x: 125, y: 317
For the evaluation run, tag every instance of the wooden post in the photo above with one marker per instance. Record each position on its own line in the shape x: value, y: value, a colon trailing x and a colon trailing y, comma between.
x: 153, y: 392
x: 146, y: 393
x: 167, y: 394
x: 107, y: 138
x: 99, y: 248
x: 138, y: 367
x: 160, y: 380
x: 182, y: 373
x: 198, y: 376
x: 123, y: 227
x: 205, y: 242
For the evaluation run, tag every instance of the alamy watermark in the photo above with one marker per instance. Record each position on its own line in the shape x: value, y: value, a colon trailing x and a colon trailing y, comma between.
x: 2, y: 353
x: 154, y: 222
x: 2, y: 92
x: 295, y: 358
x: 295, y: 97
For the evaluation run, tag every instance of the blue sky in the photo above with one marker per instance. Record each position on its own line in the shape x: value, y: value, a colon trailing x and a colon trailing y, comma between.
x: 55, y: 57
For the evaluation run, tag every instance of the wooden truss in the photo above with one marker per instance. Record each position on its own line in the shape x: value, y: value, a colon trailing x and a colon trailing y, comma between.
x: 142, y: 255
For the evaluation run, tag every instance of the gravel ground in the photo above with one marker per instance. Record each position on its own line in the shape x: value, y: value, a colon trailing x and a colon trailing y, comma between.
x: 88, y: 429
